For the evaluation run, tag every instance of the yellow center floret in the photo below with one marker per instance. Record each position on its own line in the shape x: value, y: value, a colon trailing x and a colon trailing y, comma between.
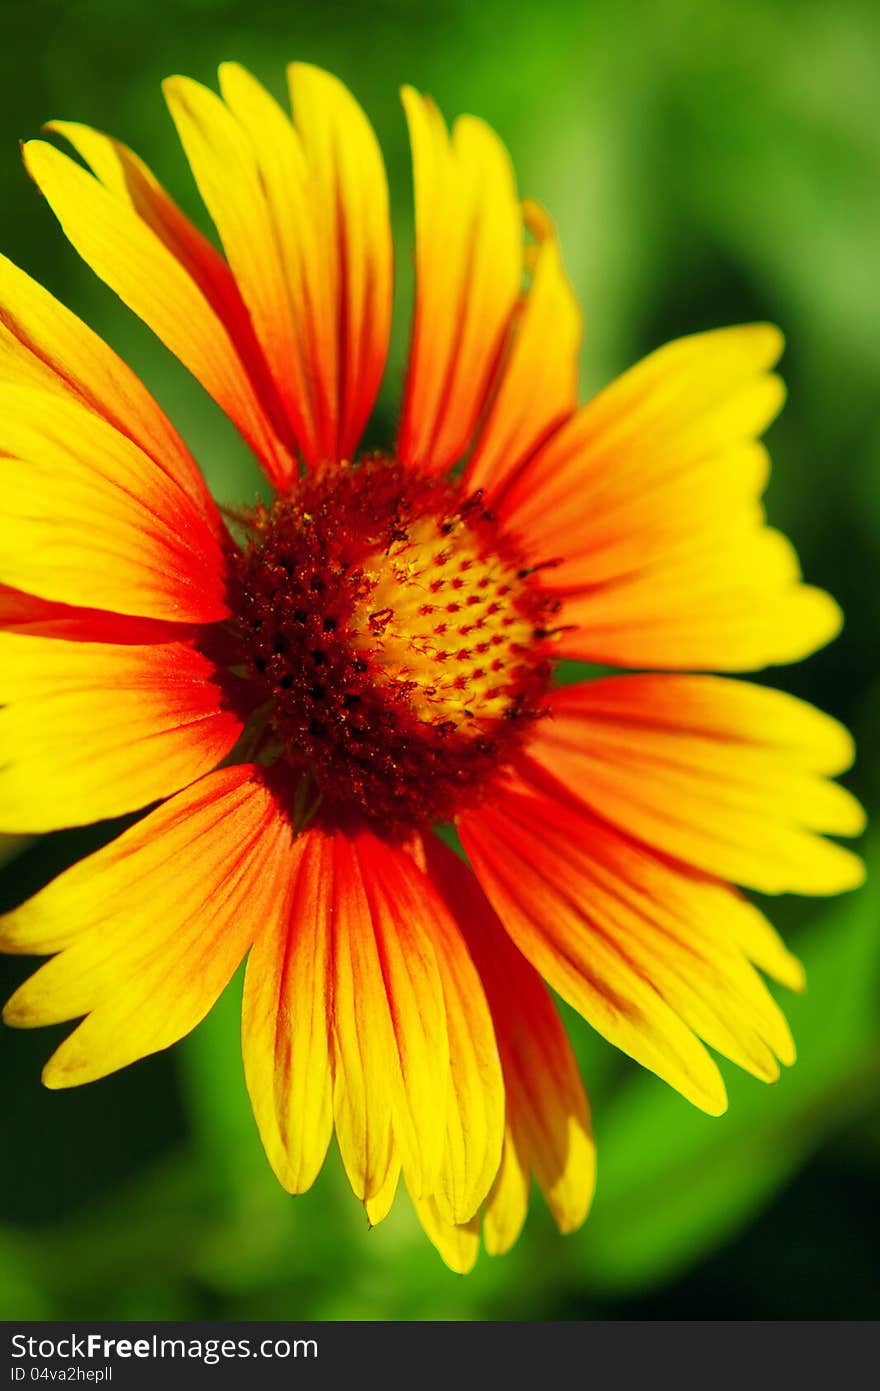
x: 439, y: 617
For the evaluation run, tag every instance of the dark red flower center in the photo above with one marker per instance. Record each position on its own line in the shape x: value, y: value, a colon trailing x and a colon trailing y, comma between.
x: 399, y: 638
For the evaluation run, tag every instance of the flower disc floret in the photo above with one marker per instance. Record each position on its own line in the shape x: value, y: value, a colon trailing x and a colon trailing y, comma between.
x: 400, y: 640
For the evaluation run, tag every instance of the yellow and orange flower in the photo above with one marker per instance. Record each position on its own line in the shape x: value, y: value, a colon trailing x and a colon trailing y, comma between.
x: 310, y: 689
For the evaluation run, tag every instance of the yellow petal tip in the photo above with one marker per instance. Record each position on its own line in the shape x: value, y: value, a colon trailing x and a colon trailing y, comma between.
x: 31, y: 152
x: 176, y: 86
x: 796, y: 978
x: 714, y: 1102
x: 54, y: 1078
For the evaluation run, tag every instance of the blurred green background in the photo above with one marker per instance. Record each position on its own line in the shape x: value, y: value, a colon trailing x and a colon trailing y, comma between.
x: 706, y: 164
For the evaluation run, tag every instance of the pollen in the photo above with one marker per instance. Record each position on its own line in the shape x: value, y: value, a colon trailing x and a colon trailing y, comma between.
x: 399, y: 642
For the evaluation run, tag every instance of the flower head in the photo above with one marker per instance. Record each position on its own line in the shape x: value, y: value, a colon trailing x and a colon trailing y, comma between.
x: 310, y: 688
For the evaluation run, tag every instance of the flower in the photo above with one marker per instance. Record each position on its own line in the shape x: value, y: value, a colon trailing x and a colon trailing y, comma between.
x: 309, y: 688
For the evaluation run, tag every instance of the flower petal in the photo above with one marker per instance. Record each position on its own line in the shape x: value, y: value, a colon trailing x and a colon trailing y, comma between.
x: 378, y: 1207
x: 349, y: 205
x: 150, y: 929
x: 125, y: 226
x: 303, y: 217
x: 648, y: 954
x: 548, y: 1130
x: 286, y: 1020
x: 363, y: 1049
x: 42, y: 344
x: 87, y: 518
x: 506, y: 1208
x: 717, y: 773
x: 726, y: 603
x: 469, y: 264
x: 458, y: 1244
x: 538, y: 385
x: 91, y: 730
x: 475, y: 1106
x: 25, y: 613
x: 647, y: 500
x: 389, y: 1038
